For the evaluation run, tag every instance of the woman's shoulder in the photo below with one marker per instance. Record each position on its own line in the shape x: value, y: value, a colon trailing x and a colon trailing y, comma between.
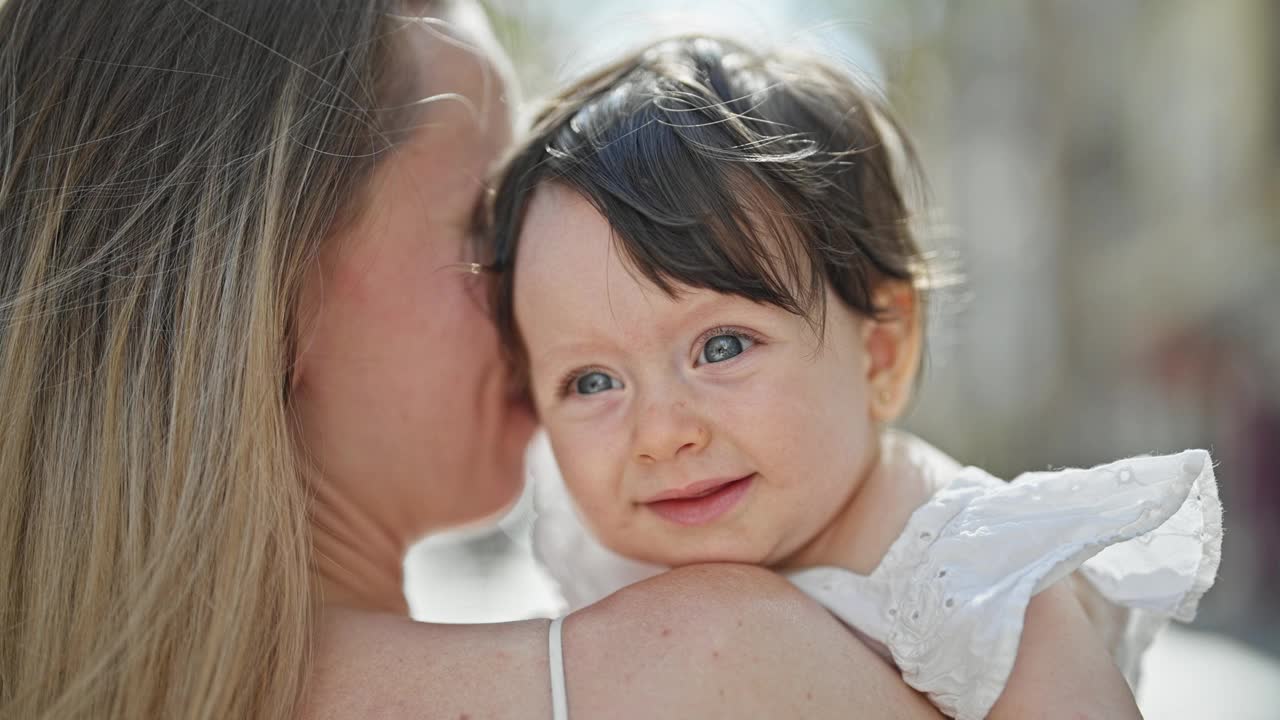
x: 368, y: 664
x: 724, y: 641
x: 701, y: 641
x: 716, y: 641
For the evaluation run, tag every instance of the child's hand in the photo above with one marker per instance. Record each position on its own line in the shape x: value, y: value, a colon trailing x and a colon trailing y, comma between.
x: 1063, y: 670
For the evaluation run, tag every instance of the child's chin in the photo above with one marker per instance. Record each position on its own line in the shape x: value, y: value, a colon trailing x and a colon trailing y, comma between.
x: 689, y: 556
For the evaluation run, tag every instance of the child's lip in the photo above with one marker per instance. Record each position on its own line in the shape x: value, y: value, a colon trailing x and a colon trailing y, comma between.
x: 701, y: 503
x: 697, y: 489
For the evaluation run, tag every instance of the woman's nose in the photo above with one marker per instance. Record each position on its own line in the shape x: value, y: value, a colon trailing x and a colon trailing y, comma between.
x: 665, y: 430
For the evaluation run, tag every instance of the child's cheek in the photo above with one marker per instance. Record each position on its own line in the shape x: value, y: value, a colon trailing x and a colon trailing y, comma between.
x: 593, y: 451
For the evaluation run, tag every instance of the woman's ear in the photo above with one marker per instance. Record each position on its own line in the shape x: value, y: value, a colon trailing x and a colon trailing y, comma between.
x: 893, y: 342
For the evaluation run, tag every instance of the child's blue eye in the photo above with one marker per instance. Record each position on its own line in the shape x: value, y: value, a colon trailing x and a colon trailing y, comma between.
x: 593, y: 382
x: 723, y: 347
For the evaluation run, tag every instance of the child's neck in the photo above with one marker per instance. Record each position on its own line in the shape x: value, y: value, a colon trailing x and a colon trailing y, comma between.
x: 870, y: 520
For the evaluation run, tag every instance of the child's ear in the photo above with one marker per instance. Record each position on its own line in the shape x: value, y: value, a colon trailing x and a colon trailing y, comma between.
x: 893, y: 343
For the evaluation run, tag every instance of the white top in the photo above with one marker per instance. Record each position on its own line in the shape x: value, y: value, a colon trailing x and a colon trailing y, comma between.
x: 947, y: 601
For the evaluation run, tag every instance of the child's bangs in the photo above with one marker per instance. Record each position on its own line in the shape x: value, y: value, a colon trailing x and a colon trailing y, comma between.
x: 725, y: 169
x: 689, y: 194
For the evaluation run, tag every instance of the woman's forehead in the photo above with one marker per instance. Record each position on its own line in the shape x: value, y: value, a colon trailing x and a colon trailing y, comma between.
x: 445, y: 62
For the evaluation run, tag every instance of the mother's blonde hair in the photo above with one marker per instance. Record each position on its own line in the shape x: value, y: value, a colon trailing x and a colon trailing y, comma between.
x: 169, y: 170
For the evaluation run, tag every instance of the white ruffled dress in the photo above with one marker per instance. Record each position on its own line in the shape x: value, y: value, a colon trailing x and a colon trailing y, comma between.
x: 947, y: 601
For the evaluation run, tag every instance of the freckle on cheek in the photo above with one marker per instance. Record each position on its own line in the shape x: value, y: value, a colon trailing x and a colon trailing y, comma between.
x: 666, y: 632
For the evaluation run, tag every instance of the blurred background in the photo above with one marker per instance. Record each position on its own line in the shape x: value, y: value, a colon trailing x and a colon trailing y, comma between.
x: 1105, y: 176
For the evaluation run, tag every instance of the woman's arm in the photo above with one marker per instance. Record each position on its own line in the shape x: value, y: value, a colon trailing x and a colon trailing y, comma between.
x: 1063, y: 670
x: 725, y: 641
x: 714, y: 641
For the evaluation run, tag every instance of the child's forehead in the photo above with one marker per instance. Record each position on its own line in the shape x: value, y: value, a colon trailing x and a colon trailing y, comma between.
x: 572, y: 282
x: 569, y: 264
x: 562, y: 235
x: 623, y: 326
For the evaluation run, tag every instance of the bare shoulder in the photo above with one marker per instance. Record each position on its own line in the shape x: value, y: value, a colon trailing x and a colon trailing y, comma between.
x: 718, y: 641
x: 369, y: 665
x: 724, y: 641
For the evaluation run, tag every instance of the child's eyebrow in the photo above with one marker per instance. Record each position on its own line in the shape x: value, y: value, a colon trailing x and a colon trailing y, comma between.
x: 710, y: 303
x: 699, y: 310
x: 559, y: 352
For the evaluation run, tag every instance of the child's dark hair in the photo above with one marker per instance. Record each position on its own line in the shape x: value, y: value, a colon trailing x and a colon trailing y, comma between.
x: 722, y: 168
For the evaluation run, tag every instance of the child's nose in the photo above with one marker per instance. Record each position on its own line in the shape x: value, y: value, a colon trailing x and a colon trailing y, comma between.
x: 665, y: 430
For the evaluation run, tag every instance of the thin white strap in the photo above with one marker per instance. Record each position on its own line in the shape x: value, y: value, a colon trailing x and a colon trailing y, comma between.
x: 559, y: 700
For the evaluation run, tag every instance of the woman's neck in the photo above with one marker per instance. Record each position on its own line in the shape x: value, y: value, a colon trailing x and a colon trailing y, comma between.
x: 359, y: 563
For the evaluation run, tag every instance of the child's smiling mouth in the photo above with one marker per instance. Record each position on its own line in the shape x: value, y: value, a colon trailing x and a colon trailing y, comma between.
x: 702, y: 502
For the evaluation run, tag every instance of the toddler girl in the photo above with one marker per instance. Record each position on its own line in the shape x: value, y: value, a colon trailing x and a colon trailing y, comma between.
x: 706, y: 271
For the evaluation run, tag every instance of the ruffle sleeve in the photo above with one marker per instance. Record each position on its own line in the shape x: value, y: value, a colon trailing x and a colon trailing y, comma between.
x: 1145, y: 531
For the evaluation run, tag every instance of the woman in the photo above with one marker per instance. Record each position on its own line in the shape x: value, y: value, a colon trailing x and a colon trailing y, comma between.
x: 242, y: 367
